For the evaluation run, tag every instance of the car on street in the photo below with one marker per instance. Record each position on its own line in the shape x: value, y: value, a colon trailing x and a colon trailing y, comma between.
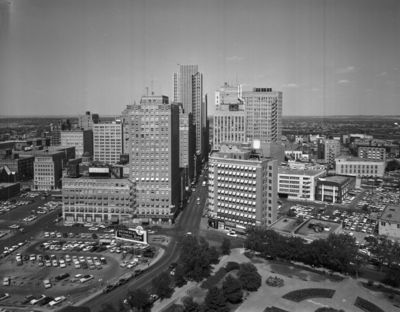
x: 86, y: 278
x: 4, y: 296
x: 232, y: 234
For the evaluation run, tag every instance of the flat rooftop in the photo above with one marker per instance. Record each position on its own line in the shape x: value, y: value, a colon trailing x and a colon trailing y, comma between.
x: 285, y: 224
x: 359, y: 159
x: 335, y: 179
x: 317, y: 229
x: 303, y: 172
x: 391, y: 213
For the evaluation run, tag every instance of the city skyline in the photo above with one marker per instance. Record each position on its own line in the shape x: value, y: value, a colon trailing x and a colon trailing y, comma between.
x: 328, y: 58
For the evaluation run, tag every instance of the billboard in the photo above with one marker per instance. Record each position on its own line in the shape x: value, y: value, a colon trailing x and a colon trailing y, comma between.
x: 135, y: 235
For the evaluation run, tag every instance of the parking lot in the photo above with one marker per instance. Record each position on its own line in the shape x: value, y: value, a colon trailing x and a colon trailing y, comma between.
x: 71, y: 264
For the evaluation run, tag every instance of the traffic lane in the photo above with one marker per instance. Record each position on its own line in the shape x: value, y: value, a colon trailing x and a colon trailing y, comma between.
x: 30, y: 230
x: 116, y: 296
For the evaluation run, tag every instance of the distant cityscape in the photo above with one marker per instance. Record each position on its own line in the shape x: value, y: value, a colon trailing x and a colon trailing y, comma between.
x: 98, y: 211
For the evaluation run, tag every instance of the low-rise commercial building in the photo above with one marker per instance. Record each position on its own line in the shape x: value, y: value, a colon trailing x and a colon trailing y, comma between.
x: 8, y: 190
x: 389, y: 222
x: 298, y: 183
x: 334, y: 189
x: 242, y: 188
x: 359, y: 167
x: 100, y: 197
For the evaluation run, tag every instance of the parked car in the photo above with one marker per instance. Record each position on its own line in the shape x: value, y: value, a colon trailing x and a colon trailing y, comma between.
x: 47, y: 283
x: 86, y: 278
x: 4, y: 296
x: 6, y: 281
x: 56, y: 301
x: 37, y: 299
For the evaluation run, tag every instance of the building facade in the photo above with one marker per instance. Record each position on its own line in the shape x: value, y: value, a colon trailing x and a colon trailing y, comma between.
x: 108, y: 142
x: 101, y: 199
x: 229, y: 121
x: 154, y: 158
x: 334, y: 189
x: 371, y: 152
x: 8, y: 190
x: 81, y: 139
x: 187, y: 145
x: 242, y: 188
x: 298, y: 183
x: 188, y: 90
x: 360, y: 167
x: 86, y: 121
x: 263, y: 115
x: 21, y: 165
x: 331, y: 151
x: 48, y: 171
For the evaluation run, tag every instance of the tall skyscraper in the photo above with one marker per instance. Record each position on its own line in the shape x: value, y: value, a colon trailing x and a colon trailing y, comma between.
x: 153, y: 147
x: 263, y: 115
x: 108, y: 142
x: 188, y: 90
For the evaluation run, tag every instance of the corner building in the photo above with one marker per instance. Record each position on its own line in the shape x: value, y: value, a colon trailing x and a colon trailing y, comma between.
x: 98, y: 198
x: 154, y: 158
x: 242, y: 188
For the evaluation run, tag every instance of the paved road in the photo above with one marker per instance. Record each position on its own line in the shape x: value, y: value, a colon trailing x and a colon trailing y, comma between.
x: 188, y: 221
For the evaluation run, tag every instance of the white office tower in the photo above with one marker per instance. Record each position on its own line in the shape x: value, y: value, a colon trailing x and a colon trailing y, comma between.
x: 108, y: 142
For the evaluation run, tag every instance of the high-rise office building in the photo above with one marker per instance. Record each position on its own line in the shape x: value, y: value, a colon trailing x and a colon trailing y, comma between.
x: 81, y: 139
x: 154, y: 157
x: 47, y: 170
x: 108, y: 142
x: 186, y: 145
x: 188, y: 90
x: 229, y: 124
x: 87, y: 120
x: 242, y: 188
x: 263, y: 115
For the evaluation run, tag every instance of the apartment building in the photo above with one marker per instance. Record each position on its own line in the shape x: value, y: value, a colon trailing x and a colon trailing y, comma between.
x: 372, y: 152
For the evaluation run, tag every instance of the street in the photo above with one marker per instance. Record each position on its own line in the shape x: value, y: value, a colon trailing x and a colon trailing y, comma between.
x: 188, y: 221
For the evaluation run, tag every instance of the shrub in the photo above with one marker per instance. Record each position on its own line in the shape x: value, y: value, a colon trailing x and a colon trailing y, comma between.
x: 232, y: 265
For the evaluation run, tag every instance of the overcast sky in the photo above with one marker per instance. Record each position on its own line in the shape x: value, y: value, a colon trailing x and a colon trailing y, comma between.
x: 329, y: 57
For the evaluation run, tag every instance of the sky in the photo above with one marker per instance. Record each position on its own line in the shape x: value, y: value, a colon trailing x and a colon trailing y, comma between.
x: 328, y: 57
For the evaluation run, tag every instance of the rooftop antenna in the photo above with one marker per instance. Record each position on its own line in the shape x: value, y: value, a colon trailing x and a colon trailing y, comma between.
x: 152, y: 87
x: 147, y: 91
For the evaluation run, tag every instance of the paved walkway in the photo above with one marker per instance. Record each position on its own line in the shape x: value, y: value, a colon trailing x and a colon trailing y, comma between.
x: 344, y: 298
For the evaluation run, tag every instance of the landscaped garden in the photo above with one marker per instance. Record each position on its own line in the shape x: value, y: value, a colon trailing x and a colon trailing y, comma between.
x: 366, y: 305
x: 308, y: 293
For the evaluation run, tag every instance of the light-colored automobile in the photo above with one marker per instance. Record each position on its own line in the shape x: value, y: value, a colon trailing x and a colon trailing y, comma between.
x: 86, y: 278
x: 47, y: 283
x: 56, y: 301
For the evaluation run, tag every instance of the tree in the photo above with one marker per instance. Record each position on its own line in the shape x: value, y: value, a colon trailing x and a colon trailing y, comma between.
x: 232, y: 289
x: 139, y: 299
x: 226, y: 246
x: 215, y: 301
x: 190, y: 305
x: 179, y: 276
x: 162, y: 285
x: 232, y: 265
x: 213, y: 255
x: 249, y: 277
